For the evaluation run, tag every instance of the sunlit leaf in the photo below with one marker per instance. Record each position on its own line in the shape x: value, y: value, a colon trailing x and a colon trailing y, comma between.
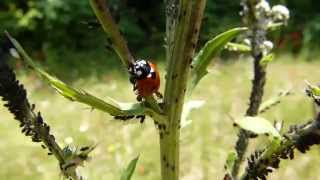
x: 257, y: 125
x: 231, y: 158
x: 275, y: 26
x: 211, y: 49
x: 128, y: 172
x: 187, y: 108
x: 237, y: 47
x: 266, y: 60
x: 315, y: 90
x: 273, y: 101
x: 108, y: 105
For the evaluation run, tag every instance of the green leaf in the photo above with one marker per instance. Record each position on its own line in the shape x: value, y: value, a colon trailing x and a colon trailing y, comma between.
x: 275, y: 26
x: 187, y: 108
x: 211, y: 49
x: 231, y: 158
x: 266, y: 60
x: 108, y: 105
x: 237, y: 47
x: 257, y: 125
x: 273, y: 101
x: 315, y: 90
x: 127, y: 173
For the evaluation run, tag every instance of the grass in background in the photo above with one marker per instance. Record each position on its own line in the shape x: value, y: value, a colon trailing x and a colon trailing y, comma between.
x: 205, y: 143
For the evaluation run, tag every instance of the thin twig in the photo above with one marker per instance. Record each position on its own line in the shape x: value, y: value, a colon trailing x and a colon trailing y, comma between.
x: 109, y: 26
x: 31, y: 123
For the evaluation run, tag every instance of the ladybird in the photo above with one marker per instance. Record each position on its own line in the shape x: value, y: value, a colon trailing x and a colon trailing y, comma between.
x: 145, y: 78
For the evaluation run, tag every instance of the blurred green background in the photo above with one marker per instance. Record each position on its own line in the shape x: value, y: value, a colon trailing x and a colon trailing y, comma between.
x: 63, y: 37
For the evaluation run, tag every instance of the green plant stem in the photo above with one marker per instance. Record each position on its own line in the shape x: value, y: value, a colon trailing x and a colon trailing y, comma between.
x: 253, y: 109
x: 257, y: 88
x: 109, y: 26
x: 185, y: 26
x: 31, y: 123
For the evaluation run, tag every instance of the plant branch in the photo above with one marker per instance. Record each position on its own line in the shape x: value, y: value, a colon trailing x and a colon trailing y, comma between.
x: 108, y: 105
x: 258, y: 35
x: 31, y: 123
x: 302, y: 137
x: 183, y: 23
x: 109, y: 26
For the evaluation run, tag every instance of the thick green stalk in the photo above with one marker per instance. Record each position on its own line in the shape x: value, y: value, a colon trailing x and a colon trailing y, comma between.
x: 183, y: 23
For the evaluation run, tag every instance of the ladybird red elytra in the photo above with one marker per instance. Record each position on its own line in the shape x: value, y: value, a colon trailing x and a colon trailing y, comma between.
x: 145, y: 78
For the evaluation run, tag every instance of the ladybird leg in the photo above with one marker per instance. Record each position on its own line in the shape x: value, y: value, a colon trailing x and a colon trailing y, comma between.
x: 159, y: 95
x: 132, y: 80
x: 135, y: 87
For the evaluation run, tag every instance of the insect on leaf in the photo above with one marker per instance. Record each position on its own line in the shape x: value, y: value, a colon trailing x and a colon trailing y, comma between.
x: 108, y: 105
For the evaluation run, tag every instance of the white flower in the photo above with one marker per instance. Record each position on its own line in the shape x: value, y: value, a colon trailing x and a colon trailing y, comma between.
x: 268, y: 45
x: 280, y: 12
x: 247, y: 42
x: 263, y: 5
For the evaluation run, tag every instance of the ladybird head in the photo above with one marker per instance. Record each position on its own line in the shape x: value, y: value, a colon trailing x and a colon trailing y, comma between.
x: 140, y: 69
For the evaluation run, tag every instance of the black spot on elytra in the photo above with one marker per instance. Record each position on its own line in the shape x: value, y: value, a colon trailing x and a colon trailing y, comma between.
x: 153, y: 75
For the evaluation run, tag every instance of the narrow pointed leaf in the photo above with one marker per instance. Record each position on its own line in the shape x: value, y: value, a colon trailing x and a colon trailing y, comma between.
x: 237, y: 47
x: 128, y: 172
x: 273, y: 101
x: 257, y: 125
x: 108, y: 105
x: 231, y: 158
x: 211, y: 49
x: 315, y: 90
x: 266, y: 60
x: 187, y: 108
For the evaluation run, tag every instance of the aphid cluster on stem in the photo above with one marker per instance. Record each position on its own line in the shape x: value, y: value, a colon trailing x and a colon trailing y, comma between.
x: 15, y: 96
x: 129, y: 117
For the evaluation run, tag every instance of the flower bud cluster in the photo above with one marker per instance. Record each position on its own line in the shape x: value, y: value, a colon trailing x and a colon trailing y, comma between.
x: 259, y: 16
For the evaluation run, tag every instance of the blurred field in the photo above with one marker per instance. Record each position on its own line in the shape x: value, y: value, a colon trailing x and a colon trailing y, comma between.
x: 204, y: 144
